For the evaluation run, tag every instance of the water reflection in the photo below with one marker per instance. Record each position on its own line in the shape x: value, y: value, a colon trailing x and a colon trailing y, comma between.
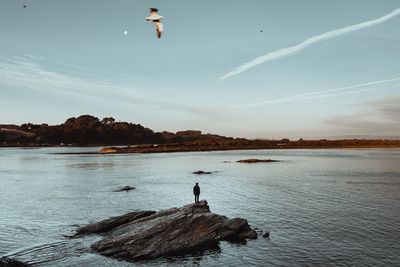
x: 323, y: 207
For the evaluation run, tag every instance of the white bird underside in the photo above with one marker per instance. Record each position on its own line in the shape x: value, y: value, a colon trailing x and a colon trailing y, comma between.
x: 156, y: 19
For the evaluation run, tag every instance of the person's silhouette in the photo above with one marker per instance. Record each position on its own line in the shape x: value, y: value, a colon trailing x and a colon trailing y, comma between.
x: 196, y: 192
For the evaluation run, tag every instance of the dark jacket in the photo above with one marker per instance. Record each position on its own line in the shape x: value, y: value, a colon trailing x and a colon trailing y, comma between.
x: 196, y: 190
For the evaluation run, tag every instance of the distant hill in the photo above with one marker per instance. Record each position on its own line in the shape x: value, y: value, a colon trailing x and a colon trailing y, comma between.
x: 366, y: 137
x: 88, y: 130
x: 12, y: 134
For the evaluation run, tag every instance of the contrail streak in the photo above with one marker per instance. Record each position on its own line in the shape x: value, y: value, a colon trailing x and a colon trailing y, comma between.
x: 320, y: 94
x: 308, y: 42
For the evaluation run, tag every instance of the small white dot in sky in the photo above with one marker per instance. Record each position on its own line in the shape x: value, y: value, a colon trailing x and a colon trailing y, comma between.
x: 125, y: 32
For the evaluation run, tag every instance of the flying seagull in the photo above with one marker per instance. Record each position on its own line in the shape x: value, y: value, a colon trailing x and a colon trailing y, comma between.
x: 154, y: 17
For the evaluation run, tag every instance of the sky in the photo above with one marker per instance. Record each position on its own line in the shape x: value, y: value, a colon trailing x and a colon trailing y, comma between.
x: 256, y: 69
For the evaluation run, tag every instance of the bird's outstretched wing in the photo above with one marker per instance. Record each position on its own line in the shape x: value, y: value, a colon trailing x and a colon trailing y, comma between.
x: 154, y: 18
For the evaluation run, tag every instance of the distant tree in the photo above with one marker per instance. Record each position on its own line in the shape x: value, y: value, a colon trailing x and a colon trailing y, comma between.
x: 70, y: 121
x: 108, y: 120
x: 27, y: 126
x: 86, y: 122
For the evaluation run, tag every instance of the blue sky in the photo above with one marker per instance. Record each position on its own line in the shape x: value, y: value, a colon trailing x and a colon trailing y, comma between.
x: 60, y: 59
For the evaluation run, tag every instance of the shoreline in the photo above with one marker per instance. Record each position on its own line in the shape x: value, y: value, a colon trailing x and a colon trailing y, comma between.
x: 209, y: 145
x: 218, y: 150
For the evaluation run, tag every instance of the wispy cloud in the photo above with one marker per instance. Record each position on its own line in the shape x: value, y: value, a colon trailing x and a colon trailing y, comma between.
x: 353, y: 89
x: 29, y: 71
x: 308, y: 42
x: 375, y: 117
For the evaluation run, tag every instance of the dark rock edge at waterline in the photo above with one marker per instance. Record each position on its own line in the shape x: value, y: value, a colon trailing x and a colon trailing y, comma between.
x: 124, y: 188
x: 8, y: 262
x: 257, y: 160
x: 146, y: 235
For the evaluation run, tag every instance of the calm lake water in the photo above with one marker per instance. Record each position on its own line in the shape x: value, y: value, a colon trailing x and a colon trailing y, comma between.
x: 323, y: 207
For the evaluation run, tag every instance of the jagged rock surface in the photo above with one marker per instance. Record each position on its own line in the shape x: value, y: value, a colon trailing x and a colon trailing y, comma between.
x: 171, y: 232
x: 111, y: 223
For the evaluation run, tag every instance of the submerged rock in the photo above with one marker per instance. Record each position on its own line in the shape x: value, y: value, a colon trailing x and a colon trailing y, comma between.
x: 125, y: 188
x: 8, y: 262
x: 266, y: 234
x: 201, y: 172
x: 171, y: 232
x: 256, y: 160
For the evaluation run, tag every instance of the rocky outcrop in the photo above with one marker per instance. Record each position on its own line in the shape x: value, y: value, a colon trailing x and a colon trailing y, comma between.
x: 256, y: 160
x: 170, y: 232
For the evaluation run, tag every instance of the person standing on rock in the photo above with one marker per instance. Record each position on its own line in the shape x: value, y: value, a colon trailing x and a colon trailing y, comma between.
x: 196, y: 192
